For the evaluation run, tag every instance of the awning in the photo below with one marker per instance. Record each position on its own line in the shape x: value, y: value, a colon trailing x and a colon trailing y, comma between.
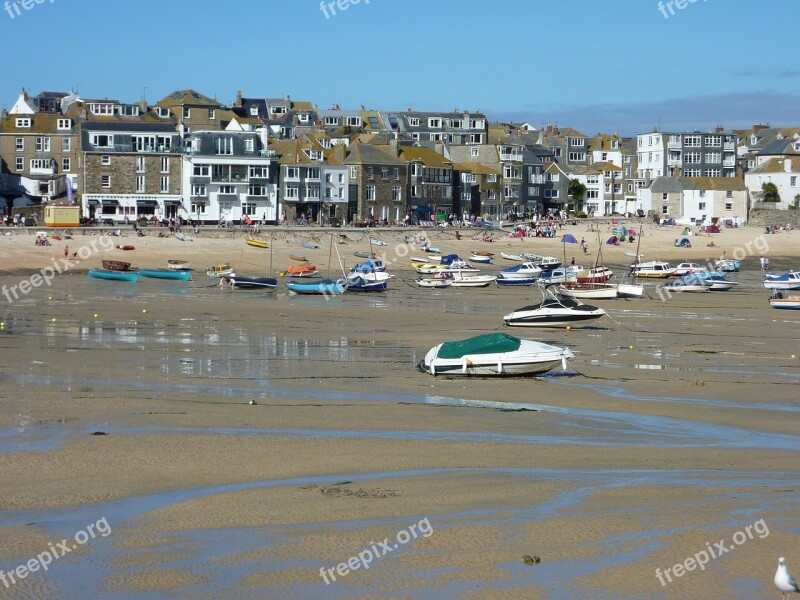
x: 93, y: 202
x: 148, y: 203
x: 172, y: 202
x: 110, y: 202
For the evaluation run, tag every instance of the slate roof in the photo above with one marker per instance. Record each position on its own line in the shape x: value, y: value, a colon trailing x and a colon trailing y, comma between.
x: 678, y: 184
x: 428, y: 157
x: 367, y: 154
x: 775, y: 165
x: 187, y: 97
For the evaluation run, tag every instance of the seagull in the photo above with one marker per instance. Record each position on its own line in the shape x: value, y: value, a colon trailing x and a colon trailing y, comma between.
x: 784, y: 581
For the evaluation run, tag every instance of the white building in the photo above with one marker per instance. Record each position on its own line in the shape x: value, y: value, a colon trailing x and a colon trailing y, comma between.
x: 783, y: 172
x: 694, y: 200
x: 229, y: 176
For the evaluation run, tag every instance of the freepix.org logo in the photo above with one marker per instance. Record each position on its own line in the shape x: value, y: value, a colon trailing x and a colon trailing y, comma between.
x: 15, y: 9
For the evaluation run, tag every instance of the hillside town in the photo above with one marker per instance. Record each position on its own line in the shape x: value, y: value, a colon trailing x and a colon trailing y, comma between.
x: 281, y: 160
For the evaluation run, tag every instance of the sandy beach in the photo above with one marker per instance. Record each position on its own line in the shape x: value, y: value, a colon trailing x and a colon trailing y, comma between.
x: 255, y: 440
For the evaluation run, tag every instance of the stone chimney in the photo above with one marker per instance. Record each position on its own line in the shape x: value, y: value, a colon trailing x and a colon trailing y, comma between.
x: 719, y: 129
x: 5, y: 113
x: 439, y: 147
x: 759, y: 126
x: 239, y: 98
x: 394, y: 148
x: 787, y: 165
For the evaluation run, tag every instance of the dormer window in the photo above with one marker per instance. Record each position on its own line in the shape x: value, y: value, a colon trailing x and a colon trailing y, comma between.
x: 314, y: 154
x: 278, y: 110
x: 354, y: 121
x: 456, y: 123
x: 102, y: 109
x: 331, y: 121
x: 162, y: 112
x: 325, y: 144
x: 64, y: 124
x: 797, y: 146
x: 23, y: 123
x: 303, y: 118
x: 413, y: 122
x: 753, y: 139
x: 434, y: 122
x: 575, y: 141
x: 254, y: 111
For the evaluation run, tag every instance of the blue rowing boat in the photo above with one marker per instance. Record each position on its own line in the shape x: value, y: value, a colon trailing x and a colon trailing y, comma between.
x: 115, y: 275
x: 252, y: 283
x: 166, y: 274
x: 322, y: 287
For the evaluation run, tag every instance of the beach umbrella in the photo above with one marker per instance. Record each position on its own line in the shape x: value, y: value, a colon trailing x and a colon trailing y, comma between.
x: 612, y: 240
x: 568, y: 238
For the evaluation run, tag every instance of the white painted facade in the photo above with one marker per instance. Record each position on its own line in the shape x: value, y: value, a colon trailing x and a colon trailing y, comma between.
x: 787, y: 181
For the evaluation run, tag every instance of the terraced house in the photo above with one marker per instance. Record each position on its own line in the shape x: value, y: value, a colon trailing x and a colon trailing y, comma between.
x: 694, y: 154
x: 378, y: 183
x: 430, y: 181
x: 132, y: 162
x: 313, y: 181
x: 39, y: 145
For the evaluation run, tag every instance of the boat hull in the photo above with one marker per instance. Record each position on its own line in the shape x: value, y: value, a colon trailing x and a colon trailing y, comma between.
x: 178, y: 265
x: 114, y: 275
x: 326, y: 287
x: 252, y: 283
x: 166, y: 274
x: 434, y: 283
x: 532, y: 358
x: 510, y: 281
x: 629, y: 290
x: 588, y: 291
x: 257, y: 244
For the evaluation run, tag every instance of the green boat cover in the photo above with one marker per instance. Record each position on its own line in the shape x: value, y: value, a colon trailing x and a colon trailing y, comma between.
x: 489, y: 343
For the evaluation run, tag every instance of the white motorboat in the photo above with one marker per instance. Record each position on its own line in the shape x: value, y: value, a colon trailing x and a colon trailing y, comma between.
x: 524, y: 270
x: 560, y: 275
x: 461, y: 280
x: 480, y: 258
x: 593, y: 291
x: 434, y: 282
x: 553, y: 311
x: 432, y: 258
x: 687, y: 268
x: 783, y: 281
x: 720, y: 282
x: 457, y: 266
x: 688, y: 284
x: 515, y: 257
x: 493, y: 355
x: 654, y: 268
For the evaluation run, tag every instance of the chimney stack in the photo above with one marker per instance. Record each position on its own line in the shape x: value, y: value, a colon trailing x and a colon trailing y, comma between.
x: 787, y: 165
x: 239, y: 98
x: 394, y: 147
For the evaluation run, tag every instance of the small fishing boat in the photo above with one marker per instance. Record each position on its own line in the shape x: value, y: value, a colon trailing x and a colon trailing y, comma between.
x: 493, y: 354
x: 56, y: 237
x: 687, y: 268
x: 128, y: 247
x: 720, y: 282
x: 298, y: 257
x: 377, y: 281
x: 166, y: 274
x: 433, y: 258
x: 654, y: 268
x: 116, y: 265
x: 252, y: 283
x: 377, y: 243
x: 368, y: 255
x: 183, y: 237
x: 728, y: 265
x: 515, y: 257
x: 430, y: 249
x: 688, y: 284
x: 789, y: 302
x: 324, y: 287
x: 782, y: 281
x: 179, y: 265
x: 434, y: 282
x: 461, y: 280
x: 560, y: 275
x: 217, y: 271
x: 509, y: 282
x: 554, y: 310
x: 588, y: 291
x: 524, y: 270
x: 545, y: 263
x: 482, y: 253
x: 114, y: 275
x: 481, y: 258
x: 374, y: 265
x: 257, y: 243
x: 593, y: 275
x: 302, y: 270
x: 309, y: 245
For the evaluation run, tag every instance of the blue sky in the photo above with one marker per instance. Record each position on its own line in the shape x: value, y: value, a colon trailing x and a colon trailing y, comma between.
x: 590, y: 64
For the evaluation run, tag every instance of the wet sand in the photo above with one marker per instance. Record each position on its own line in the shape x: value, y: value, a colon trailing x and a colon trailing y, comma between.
x: 674, y: 426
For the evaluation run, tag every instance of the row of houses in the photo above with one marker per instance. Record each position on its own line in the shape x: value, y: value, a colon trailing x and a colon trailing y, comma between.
x: 276, y: 159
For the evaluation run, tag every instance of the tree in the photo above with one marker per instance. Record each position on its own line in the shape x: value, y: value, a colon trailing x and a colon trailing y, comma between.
x: 576, y: 190
x: 770, y: 192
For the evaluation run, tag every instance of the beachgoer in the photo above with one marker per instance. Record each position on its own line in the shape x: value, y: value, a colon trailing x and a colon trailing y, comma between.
x: 572, y: 262
x: 66, y: 251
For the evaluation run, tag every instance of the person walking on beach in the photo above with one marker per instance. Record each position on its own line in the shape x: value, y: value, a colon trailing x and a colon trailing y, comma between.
x: 66, y: 251
x: 584, y: 246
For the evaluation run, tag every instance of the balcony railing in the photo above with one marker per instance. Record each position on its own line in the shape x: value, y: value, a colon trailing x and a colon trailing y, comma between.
x: 729, y: 163
x: 674, y: 145
x: 730, y: 146
x: 43, y: 171
x: 511, y: 156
